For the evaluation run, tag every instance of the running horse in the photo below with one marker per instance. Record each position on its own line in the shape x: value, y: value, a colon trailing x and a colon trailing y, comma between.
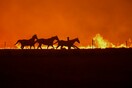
x: 48, y: 42
x: 69, y: 43
x: 25, y: 42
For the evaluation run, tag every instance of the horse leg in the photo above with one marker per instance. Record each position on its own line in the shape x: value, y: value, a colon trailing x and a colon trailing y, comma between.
x: 61, y: 47
x: 75, y: 47
x: 22, y: 47
x: 69, y: 47
x: 47, y: 46
x: 37, y: 47
x: 52, y: 46
x: 40, y: 46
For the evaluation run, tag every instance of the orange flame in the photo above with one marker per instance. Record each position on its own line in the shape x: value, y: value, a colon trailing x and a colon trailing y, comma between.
x: 97, y: 42
x: 100, y: 42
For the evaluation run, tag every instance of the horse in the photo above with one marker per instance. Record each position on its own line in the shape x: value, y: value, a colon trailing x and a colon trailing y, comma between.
x: 69, y: 43
x: 25, y: 42
x: 48, y: 42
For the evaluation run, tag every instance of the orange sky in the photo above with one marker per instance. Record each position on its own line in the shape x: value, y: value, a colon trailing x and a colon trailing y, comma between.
x: 74, y: 18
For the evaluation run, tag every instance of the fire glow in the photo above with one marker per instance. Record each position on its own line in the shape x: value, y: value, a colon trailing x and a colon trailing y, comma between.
x: 97, y: 42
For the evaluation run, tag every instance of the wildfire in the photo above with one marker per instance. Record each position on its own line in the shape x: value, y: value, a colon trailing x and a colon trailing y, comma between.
x: 97, y: 42
x: 100, y: 42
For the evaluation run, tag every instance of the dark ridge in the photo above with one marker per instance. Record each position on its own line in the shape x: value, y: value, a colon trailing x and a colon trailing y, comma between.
x: 78, y: 68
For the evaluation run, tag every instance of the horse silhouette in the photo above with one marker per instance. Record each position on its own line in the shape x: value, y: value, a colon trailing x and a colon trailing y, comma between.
x: 69, y: 43
x: 48, y: 42
x: 29, y: 42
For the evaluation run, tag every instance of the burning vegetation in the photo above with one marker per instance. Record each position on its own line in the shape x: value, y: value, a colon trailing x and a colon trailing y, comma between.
x: 96, y: 42
x: 99, y: 42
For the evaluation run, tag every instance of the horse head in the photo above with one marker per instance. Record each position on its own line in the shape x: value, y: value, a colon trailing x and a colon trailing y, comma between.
x: 55, y: 38
x: 34, y: 37
x: 77, y: 40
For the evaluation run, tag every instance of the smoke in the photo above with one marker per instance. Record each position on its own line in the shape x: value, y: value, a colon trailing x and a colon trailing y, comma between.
x: 73, y: 18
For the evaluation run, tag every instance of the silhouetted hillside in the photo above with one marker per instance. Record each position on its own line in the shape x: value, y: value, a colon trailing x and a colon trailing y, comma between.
x: 66, y: 68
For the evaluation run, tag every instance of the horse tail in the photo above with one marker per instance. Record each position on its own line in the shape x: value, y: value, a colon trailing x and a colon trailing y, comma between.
x: 17, y: 42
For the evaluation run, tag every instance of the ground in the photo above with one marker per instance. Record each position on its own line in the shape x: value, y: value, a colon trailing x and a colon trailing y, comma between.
x: 65, y: 68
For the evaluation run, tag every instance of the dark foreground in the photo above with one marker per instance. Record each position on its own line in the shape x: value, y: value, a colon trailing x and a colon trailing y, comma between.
x: 66, y: 68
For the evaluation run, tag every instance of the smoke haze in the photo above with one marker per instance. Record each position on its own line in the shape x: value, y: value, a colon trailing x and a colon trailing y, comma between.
x: 74, y: 18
